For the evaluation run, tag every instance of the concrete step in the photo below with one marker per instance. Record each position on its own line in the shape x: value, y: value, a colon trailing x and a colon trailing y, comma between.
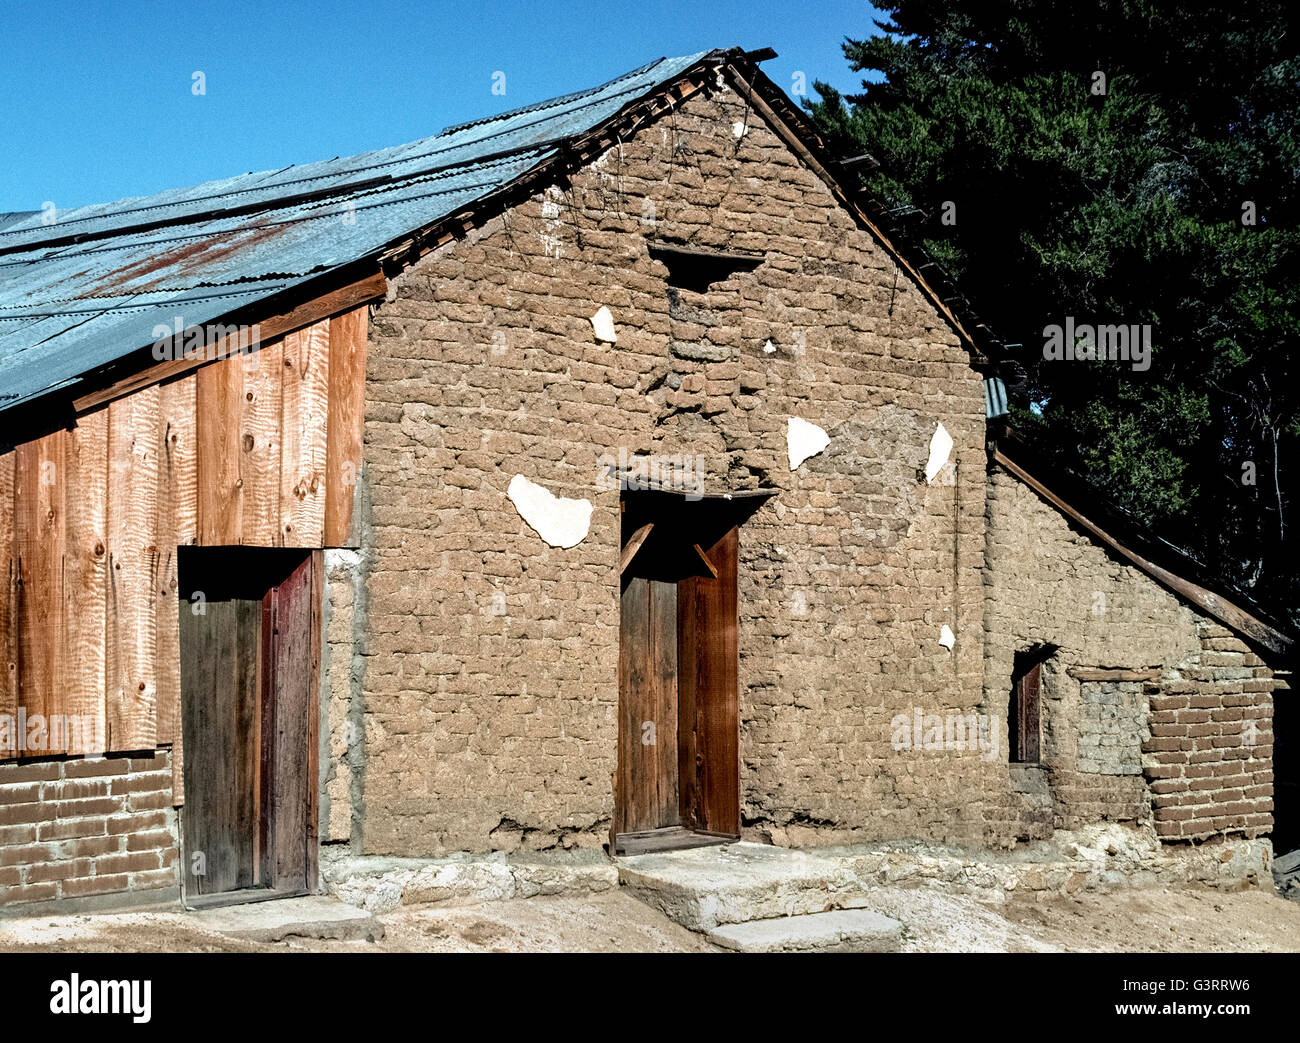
x: 841, y: 930
x: 706, y: 887
x: 311, y: 916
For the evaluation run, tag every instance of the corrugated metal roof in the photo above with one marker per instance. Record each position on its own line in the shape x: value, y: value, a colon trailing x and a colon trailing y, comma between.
x: 197, y: 254
x: 995, y: 398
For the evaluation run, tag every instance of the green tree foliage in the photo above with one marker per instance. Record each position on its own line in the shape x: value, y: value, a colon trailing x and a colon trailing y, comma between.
x: 1123, y: 161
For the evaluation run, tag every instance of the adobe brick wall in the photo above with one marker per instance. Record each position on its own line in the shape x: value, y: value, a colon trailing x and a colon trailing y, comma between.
x: 1167, y: 749
x: 1210, y: 752
x: 76, y: 828
x: 490, y: 723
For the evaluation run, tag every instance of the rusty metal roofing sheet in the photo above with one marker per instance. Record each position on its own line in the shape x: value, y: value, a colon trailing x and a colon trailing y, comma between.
x: 95, y: 284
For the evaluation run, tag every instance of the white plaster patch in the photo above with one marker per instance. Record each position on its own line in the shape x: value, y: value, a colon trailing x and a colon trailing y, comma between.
x: 768, y: 349
x: 560, y: 522
x: 739, y: 130
x: 946, y: 636
x: 940, y: 447
x: 803, y: 440
x: 603, y: 323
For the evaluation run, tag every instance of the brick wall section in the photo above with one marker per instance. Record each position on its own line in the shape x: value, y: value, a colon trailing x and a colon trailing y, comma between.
x: 1168, y: 751
x: 80, y: 827
x: 1210, y: 755
x: 488, y: 730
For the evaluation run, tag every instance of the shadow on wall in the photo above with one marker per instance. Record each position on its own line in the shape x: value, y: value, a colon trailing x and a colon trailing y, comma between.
x: 1286, y: 771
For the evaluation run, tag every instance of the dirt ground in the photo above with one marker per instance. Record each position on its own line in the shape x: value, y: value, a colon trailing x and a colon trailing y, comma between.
x: 1126, y: 921
x: 935, y: 921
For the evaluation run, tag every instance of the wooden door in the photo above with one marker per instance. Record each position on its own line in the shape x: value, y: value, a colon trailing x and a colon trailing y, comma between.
x: 249, y: 669
x: 708, y: 686
x: 647, y: 755
x: 288, y: 747
x: 679, y: 734
x: 220, y: 684
x: 1023, y: 722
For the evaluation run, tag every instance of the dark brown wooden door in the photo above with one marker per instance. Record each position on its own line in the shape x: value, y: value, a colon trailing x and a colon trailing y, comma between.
x: 679, y: 735
x: 1023, y: 724
x: 249, y: 666
x: 648, y: 705
x: 709, y: 693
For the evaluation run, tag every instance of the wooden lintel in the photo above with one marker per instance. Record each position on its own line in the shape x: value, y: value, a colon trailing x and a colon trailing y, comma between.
x: 1224, y: 611
x: 705, y: 558
x: 1111, y: 673
x: 633, y: 545
x: 658, y: 246
x: 272, y: 326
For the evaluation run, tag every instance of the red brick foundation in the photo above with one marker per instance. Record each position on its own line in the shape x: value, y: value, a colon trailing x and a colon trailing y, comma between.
x: 77, y: 828
x: 1210, y: 755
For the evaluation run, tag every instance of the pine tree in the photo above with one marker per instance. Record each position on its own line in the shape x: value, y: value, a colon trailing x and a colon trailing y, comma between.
x: 1127, y: 162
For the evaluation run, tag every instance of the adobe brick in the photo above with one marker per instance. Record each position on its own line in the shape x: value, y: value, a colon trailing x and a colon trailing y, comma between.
x: 26, y: 893
x: 91, y: 847
x: 60, y: 870
x: 93, y: 885
x: 153, y: 878
x: 148, y: 782
x: 28, y: 854
x: 89, y: 806
x: 63, y: 828
x: 15, y: 835
x: 76, y: 789
x: 28, y: 771
x: 19, y: 793
x: 151, y: 801
x: 137, y: 822
x: 130, y: 862
x: 95, y: 767
x: 157, y: 839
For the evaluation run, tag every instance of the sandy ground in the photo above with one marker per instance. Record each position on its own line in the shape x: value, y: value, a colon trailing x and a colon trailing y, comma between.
x: 1133, y: 921
x: 1127, y: 921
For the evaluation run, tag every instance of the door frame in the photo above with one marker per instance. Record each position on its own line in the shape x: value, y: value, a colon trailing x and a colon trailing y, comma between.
x: 692, y: 541
x: 275, y: 574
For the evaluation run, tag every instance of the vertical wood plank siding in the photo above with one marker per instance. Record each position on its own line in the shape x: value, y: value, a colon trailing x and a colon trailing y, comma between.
x: 255, y: 450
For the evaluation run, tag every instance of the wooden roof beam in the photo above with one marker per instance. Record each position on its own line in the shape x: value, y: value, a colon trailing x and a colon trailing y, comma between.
x: 269, y: 328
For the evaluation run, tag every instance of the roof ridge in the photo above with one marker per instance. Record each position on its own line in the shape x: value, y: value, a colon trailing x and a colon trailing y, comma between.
x: 549, y: 103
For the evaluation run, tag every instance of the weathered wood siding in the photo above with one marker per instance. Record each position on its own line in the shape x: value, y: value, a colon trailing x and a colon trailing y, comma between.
x: 256, y: 450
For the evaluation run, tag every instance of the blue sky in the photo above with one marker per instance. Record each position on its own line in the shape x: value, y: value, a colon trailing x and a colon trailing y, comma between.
x: 98, y: 100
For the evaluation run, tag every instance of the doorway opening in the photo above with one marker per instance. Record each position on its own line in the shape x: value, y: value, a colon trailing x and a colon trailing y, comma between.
x: 250, y: 655
x: 678, y: 778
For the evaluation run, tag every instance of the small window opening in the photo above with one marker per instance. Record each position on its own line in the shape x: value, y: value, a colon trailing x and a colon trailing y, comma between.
x: 1024, y: 723
x: 696, y: 268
